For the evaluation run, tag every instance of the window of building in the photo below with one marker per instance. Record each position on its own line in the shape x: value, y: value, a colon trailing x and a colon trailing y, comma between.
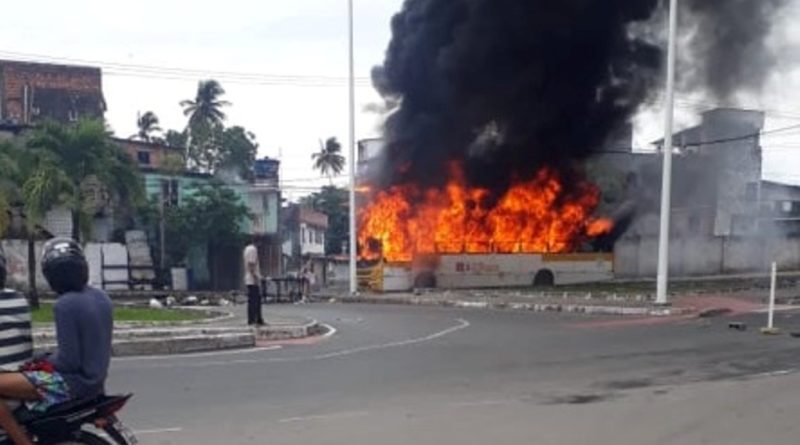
x: 303, y: 234
x: 143, y: 157
x: 786, y: 206
x: 265, y: 203
x: 751, y: 191
x: 170, y: 192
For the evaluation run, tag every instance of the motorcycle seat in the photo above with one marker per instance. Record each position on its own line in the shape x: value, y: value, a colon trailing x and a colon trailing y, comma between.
x: 24, y: 415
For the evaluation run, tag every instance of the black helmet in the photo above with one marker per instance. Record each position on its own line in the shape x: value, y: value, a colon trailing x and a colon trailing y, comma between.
x: 3, y: 266
x: 64, y: 265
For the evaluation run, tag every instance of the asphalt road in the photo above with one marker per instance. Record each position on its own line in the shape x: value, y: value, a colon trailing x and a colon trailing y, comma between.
x: 399, y: 375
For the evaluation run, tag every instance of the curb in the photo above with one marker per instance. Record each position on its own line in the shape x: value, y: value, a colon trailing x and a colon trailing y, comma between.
x: 517, y: 306
x: 165, y: 341
x: 272, y: 333
x: 182, y: 345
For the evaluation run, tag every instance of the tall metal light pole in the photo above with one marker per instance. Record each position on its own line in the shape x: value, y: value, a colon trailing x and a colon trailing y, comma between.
x: 666, y: 180
x: 352, y: 141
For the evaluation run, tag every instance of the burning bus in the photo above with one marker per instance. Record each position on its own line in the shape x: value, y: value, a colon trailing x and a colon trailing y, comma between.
x: 537, y: 232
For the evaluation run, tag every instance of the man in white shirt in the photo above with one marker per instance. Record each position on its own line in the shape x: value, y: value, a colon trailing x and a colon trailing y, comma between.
x: 252, y: 279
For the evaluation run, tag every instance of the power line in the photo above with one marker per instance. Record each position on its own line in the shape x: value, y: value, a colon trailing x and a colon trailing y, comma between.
x: 294, y: 83
x: 744, y: 137
x: 178, y: 73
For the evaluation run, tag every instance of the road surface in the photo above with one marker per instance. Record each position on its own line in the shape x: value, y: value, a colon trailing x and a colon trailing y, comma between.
x: 400, y: 375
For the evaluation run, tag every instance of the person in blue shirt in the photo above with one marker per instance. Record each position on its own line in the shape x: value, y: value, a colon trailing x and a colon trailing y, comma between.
x: 84, y: 326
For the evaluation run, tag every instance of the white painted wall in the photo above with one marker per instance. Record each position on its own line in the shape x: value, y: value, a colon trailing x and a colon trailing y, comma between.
x: 312, y: 240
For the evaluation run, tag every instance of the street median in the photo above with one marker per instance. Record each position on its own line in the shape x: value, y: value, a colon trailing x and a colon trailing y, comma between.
x: 169, y: 340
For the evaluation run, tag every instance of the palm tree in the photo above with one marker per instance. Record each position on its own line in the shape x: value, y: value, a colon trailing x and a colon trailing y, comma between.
x: 206, y: 108
x: 31, y: 185
x: 329, y: 160
x: 8, y: 183
x: 147, y: 124
x: 67, y: 159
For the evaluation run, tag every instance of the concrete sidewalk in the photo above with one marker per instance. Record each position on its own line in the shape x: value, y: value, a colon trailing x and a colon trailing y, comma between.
x: 220, y: 333
x: 567, y: 302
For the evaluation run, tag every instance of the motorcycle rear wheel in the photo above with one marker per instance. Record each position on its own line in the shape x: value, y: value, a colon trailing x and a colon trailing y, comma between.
x: 85, y: 438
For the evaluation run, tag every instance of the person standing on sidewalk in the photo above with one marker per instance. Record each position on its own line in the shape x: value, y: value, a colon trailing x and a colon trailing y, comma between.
x: 252, y: 278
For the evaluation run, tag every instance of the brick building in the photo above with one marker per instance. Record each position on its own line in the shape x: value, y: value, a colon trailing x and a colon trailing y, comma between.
x: 31, y: 92
x: 152, y: 155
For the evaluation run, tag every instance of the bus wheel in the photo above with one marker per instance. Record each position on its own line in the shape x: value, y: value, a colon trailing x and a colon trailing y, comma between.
x: 544, y: 278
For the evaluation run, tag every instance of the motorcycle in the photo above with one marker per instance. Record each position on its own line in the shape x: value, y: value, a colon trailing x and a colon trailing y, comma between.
x: 64, y: 424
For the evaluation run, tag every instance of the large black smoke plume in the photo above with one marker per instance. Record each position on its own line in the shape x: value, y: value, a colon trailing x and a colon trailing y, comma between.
x: 728, y: 50
x: 508, y: 86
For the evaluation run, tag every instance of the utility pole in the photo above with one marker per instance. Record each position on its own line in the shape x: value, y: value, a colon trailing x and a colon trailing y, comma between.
x: 352, y: 142
x: 162, y: 226
x: 666, y: 180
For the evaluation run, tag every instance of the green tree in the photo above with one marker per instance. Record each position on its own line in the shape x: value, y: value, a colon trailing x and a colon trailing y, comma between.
x: 147, y: 124
x: 204, y: 148
x: 8, y: 185
x: 31, y: 186
x: 215, y: 213
x: 329, y: 160
x: 86, y: 165
x: 206, y: 108
x: 334, y: 202
x: 174, y: 138
x: 238, y: 150
x: 210, y: 215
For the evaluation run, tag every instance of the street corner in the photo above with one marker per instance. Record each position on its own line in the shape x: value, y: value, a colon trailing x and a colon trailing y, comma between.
x: 306, y: 333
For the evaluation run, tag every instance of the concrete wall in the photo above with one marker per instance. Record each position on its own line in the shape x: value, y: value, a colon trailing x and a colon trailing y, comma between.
x: 706, y: 255
x: 17, y: 256
x: 312, y: 240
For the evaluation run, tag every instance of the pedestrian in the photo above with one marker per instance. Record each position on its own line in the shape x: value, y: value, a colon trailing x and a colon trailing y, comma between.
x: 15, y: 324
x: 252, y: 279
x: 310, y: 281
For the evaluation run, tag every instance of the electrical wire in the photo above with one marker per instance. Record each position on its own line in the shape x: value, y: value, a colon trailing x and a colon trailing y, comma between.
x: 175, y: 73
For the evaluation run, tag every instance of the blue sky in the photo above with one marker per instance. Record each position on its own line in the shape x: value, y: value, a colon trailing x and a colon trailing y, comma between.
x: 278, y: 37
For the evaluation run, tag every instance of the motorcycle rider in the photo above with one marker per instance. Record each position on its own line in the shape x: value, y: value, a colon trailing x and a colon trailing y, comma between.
x: 84, y: 324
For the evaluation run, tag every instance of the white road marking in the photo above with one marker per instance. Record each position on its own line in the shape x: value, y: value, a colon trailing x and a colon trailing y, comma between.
x: 777, y: 373
x: 325, y: 416
x: 331, y: 331
x: 158, y: 431
x: 462, y: 324
x: 778, y: 308
x: 350, y: 320
x: 196, y: 354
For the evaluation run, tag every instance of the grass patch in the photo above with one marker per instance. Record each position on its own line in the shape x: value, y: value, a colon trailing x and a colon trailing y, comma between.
x: 127, y: 313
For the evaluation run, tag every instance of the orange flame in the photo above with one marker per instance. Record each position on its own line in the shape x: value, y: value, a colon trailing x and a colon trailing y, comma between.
x: 534, y: 216
x: 599, y: 227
